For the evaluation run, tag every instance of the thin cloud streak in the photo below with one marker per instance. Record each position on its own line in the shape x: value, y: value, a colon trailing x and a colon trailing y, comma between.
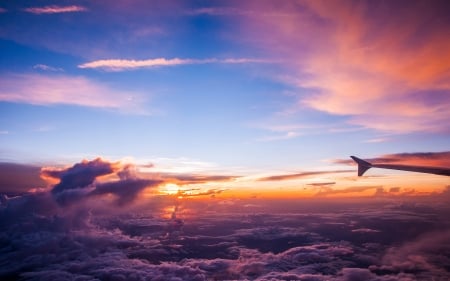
x: 54, y: 9
x: 45, y: 67
x: 61, y: 89
x: 301, y: 175
x: 125, y: 64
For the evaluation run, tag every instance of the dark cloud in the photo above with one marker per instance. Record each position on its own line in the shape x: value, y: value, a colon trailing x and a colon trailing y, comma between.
x: 319, y: 184
x: 79, y: 181
x: 301, y: 175
x: 80, y: 175
x: 19, y: 178
x: 126, y: 190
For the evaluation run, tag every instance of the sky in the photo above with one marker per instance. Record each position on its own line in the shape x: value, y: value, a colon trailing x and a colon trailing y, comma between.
x: 211, y: 140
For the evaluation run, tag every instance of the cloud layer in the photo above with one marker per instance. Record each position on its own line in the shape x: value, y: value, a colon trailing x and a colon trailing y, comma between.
x: 315, y: 240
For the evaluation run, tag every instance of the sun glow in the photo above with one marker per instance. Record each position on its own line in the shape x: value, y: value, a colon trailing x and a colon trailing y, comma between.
x: 170, y: 189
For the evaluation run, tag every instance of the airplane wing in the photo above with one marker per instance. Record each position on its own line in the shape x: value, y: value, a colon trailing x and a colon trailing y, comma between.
x: 363, y: 166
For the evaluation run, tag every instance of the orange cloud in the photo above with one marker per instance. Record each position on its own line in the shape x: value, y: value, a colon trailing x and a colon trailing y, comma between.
x: 383, y: 64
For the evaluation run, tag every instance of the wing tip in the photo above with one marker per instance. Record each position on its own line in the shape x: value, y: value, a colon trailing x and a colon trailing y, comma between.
x: 363, y: 166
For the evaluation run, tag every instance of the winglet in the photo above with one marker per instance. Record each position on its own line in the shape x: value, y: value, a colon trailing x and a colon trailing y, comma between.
x: 363, y: 166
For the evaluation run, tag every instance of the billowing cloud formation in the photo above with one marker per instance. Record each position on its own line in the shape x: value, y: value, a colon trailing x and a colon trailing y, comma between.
x: 61, y: 89
x: 436, y: 159
x: 383, y: 65
x: 80, y: 175
x: 79, y: 182
x: 124, y: 64
x: 54, y: 9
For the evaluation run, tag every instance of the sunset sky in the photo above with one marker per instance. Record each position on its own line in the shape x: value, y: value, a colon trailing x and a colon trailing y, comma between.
x: 211, y: 140
x: 245, y: 89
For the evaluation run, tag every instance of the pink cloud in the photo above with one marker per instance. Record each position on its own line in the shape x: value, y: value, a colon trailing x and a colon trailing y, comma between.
x: 125, y: 64
x: 61, y: 89
x: 54, y: 9
x: 383, y: 65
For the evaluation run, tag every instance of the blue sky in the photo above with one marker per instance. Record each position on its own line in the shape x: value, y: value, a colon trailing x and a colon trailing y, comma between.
x: 254, y: 86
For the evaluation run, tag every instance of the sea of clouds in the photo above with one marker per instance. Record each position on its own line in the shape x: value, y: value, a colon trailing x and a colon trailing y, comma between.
x: 84, y: 229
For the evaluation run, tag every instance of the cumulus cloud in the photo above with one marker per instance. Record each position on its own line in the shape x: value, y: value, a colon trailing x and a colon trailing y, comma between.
x: 125, y: 64
x: 425, y: 257
x: 61, y: 89
x: 80, y: 175
x: 55, y: 9
x: 79, y: 181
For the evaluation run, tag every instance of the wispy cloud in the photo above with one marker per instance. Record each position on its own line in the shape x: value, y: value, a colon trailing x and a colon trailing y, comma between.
x: 218, y: 11
x: 377, y: 140
x: 381, y: 70
x: 3, y: 10
x: 55, y: 9
x: 302, y: 175
x: 61, y: 89
x: 125, y: 64
x: 45, y: 67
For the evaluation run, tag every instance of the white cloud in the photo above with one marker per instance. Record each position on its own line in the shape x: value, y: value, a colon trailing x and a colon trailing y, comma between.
x: 126, y: 64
